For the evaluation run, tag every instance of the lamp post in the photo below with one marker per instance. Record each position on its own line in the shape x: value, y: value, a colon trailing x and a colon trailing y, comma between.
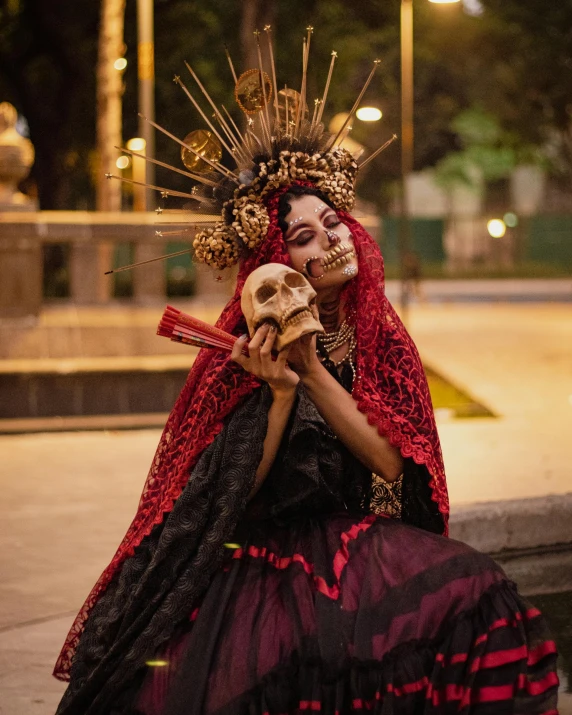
x: 146, y: 77
x: 407, y: 139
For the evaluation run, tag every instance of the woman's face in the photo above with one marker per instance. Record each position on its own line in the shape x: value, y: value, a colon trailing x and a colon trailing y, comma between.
x: 320, y: 245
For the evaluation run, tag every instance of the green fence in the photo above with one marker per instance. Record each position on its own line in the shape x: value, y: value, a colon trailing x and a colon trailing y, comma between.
x: 426, y: 240
x: 548, y: 239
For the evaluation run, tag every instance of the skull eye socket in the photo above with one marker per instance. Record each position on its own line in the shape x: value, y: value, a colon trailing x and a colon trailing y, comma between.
x: 264, y: 293
x: 295, y: 280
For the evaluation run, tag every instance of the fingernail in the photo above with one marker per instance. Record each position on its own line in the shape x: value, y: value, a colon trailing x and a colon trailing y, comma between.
x: 272, y: 328
x: 244, y: 336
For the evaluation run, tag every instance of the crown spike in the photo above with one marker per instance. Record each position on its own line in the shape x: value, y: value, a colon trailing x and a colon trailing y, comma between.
x: 219, y: 116
x: 309, y: 30
x: 255, y: 136
x: 165, y: 192
x: 265, y: 130
x: 181, y: 84
x: 268, y: 31
x: 286, y: 110
x: 195, y: 177
x: 356, y: 104
x: 263, y: 83
x: 150, y: 260
x: 218, y: 167
x: 229, y: 58
x: 300, y: 107
x: 314, y: 114
x: 240, y: 135
x: 377, y: 151
x: 327, y: 87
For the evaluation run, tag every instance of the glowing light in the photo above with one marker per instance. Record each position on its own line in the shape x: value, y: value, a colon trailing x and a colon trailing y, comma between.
x: 369, y: 114
x: 510, y: 219
x: 120, y: 64
x: 123, y: 162
x: 136, y: 144
x: 157, y: 663
x: 232, y: 546
x: 570, y: 400
x: 496, y: 228
x: 444, y: 2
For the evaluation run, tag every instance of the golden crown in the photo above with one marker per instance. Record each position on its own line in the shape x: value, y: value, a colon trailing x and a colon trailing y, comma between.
x: 280, y: 144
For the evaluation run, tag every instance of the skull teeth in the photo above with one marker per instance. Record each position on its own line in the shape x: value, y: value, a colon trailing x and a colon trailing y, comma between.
x: 294, y: 317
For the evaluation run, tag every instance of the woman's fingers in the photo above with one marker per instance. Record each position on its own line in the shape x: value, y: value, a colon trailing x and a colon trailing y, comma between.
x: 268, y: 343
x: 259, y: 338
x: 237, y: 348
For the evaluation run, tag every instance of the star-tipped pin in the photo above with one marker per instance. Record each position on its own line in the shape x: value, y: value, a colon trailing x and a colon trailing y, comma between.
x: 158, y: 233
x: 109, y: 176
x: 177, y: 79
x: 334, y: 53
x: 164, y: 194
x: 158, y: 210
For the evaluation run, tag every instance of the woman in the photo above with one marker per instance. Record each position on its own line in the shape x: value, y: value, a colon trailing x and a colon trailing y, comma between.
x: 273, y: 581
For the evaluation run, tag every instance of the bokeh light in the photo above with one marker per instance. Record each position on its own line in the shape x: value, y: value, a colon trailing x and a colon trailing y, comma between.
x: 369, y: 114
x: 496, y: 228
x: 511, y: 219
x: 136, y: 144
x: 120, y: 64
x: 122, y: 162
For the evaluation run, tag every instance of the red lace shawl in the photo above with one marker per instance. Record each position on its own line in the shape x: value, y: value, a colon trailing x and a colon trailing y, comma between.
x: 390, y: 388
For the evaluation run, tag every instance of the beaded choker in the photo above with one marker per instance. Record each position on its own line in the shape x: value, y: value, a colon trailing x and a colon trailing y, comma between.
x: 329, y: 342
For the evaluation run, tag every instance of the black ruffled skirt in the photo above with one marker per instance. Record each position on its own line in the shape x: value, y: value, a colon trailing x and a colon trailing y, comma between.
x: 345, y: 614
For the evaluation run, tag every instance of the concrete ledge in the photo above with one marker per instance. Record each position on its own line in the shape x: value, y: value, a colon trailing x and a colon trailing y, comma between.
x: 539, y: 571
x: 495, y: 527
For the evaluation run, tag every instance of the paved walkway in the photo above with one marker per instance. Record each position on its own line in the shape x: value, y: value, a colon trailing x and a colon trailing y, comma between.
x: 68, y: 498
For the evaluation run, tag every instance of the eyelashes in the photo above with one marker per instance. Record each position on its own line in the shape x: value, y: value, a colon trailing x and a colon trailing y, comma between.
x: 303, y: 239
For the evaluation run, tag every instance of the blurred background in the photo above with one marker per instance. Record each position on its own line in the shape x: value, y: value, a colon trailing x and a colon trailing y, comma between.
x: 471, y: 205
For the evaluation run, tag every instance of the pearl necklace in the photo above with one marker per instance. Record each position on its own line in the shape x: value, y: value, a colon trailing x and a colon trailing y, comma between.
x: 329, y: 342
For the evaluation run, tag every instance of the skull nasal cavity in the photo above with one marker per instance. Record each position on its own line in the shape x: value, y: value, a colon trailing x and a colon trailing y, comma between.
x: 264, y: 293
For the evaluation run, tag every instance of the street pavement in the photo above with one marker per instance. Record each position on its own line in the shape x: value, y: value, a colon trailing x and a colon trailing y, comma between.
x: 67, y: 498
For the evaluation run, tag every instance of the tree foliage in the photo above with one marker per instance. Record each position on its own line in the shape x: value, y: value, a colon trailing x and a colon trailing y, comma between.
x: 512, y: 63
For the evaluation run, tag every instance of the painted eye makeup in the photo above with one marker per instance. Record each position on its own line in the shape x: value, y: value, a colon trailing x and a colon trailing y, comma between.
x: 304, y: 239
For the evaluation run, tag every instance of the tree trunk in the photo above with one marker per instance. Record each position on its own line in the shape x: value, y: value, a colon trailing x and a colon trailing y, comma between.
x: 109, y: 93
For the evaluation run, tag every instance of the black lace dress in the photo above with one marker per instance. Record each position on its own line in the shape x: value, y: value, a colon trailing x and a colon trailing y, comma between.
x: 306, y: 599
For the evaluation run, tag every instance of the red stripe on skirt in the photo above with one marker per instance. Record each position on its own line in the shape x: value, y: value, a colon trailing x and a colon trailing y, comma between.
x: 499, y: 658
x: 538, y: 653
x: 341, y: 558
x: 537, y: 687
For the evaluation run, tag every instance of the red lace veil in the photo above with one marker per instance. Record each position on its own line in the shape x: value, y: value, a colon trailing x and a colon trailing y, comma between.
x: 390, y: 388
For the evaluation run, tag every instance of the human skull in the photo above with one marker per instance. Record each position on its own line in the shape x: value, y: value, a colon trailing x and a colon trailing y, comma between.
x: 280, y: 295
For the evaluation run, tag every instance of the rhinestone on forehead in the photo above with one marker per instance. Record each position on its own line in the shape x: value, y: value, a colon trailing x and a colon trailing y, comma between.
x: 296, y: 220
x: 320, y: 207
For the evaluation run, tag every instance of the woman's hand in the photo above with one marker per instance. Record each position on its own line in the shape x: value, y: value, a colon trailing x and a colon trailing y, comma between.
x: 302, y: 357
x: 277, y: 373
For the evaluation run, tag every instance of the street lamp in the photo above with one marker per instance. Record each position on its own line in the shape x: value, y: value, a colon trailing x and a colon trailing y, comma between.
x: 407, y: 139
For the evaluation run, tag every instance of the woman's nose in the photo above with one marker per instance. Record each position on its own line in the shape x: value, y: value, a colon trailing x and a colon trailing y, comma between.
x: 333, y: 238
